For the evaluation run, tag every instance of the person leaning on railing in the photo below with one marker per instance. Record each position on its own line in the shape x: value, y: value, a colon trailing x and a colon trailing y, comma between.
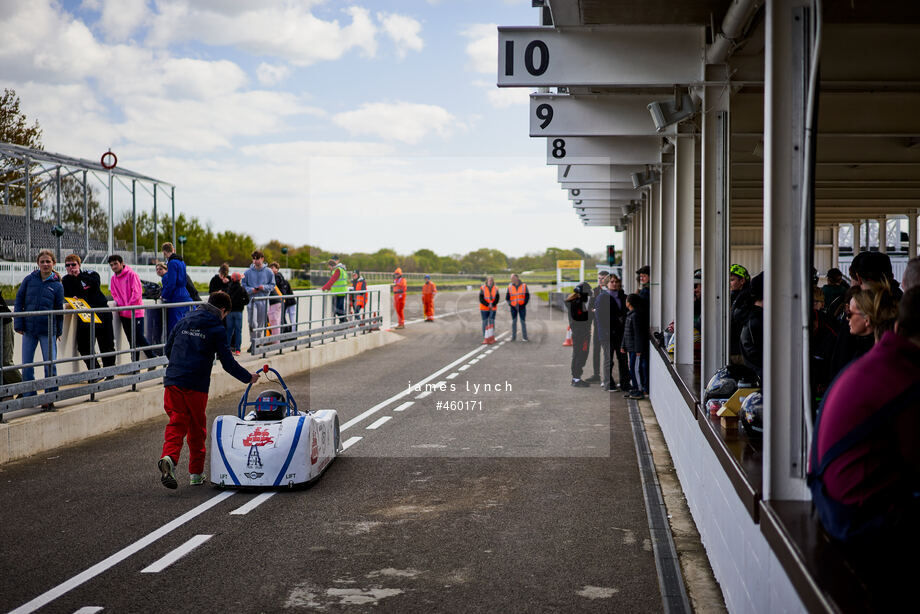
x: 86, y: 285
x: 41, y: 290
x: 126, y: 290
x: 12, y: 376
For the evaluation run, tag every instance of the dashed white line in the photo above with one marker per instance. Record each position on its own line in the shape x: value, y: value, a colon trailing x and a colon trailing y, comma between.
x: 98, y: 568
x: 252, y: 504
x: 422, y: 395
x: 376, y: 424
x: 175, y: 555
x: 452, y: 376
x: 350, y: 442
x: 403, y: 406
x: 89, y: 609
x: 474, y: 361
x: 463, y: 368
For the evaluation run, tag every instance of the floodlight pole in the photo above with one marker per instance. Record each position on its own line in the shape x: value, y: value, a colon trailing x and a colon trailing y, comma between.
x: 134, y: 218
x: 111, y: 212
x: 85, y: 215
x: 156, y: 234
x: 172, y: 199
x: 28, y: 178
x: 60, y: 237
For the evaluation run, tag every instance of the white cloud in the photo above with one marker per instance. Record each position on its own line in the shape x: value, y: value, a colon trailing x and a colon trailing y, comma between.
x: 399, y: 121
x: 285, y: 30
x: 121, y: 18
x: 269, y: 74
x: 404, y: 32
x: 482, y: 50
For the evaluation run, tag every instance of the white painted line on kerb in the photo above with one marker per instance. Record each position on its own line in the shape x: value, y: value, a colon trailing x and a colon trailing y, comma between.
x: 422, y: 395
x: 378, y: 423
x: 403, y: 406
x: 175, y: 555
x: 67, y: 586
x: 252, y: 504
x: 373, y: 410
x: 452, y: 376
x: 350, y: 442
x: 89, y: 609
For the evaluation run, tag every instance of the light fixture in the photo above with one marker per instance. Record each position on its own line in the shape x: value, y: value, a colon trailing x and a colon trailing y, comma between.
x: 668, y: 112
x: 645, y: 178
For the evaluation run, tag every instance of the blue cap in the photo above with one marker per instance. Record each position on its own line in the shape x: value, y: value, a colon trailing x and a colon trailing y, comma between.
x: 427, y: 276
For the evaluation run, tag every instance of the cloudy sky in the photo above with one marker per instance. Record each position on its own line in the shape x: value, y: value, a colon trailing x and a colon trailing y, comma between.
x: 352, y: 126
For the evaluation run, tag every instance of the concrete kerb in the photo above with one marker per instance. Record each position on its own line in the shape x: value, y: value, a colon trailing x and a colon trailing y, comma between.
x: 70, y: 424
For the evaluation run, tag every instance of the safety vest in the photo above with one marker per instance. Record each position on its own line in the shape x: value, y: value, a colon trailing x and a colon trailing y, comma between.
x: 399, y: 288
x: 340, y: 286
x: 489, y: 295
x: 360, y: 299
x: 517, y: 295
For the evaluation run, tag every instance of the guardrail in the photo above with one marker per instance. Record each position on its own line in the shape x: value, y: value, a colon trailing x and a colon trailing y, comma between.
x: 315, y: 322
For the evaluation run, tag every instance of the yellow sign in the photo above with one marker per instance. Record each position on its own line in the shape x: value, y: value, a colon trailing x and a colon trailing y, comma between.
x: 79, y: 303
x: 568, y: 264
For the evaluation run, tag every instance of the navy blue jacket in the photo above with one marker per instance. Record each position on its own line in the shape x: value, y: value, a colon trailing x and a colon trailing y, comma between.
x: 175, y: 282
x: 37, y: 295
x: 191, y: 347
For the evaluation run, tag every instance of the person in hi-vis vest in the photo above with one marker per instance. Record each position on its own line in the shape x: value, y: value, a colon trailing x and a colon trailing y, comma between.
x: 337, y: 286
x: 399, y: 297
x: 488, y: 303
x: 428, y: 292
x: 518, y: 296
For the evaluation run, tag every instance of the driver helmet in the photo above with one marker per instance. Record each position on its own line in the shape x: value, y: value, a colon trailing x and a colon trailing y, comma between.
x: 752, y: 414
x: 740, y: 271
x: 724, y: 382
x: 270, y: 405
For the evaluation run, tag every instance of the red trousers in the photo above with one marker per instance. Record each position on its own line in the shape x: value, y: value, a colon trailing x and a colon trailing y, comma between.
x: 428, y: 305
x: 186, y: 411
x: 400, y: 303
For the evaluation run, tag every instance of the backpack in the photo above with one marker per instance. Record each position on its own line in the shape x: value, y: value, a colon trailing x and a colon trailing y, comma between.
x: 150, y: 289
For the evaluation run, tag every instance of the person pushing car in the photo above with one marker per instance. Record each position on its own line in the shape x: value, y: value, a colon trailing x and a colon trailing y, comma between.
x: 191, y: 347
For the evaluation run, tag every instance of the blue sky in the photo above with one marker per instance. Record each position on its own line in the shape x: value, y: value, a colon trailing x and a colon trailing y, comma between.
x: 352, y: 126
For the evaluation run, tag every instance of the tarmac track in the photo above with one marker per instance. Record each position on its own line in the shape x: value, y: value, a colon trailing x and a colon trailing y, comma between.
x: 531, y: 503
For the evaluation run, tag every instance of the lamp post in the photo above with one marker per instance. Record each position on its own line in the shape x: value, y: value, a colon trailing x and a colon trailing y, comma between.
x: 284, y: 250
x: 182, y: 240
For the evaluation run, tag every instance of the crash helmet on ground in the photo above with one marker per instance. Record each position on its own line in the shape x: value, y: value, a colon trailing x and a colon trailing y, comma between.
x: 271, y: 404
x: 697, y: 276
x: 724, y: 382
x: 752, y: 414
x: 740, y: 271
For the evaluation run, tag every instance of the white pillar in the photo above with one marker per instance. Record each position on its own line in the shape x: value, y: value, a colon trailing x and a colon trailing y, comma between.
x: 912, y: 217
x: 714, y: 224
x: 684, y: 163
x: 785, y: 70
x: 857, y: 238
x: 655, y: 260
x: 668, y: 243
x: 883, y: 235
x: 835, y: 246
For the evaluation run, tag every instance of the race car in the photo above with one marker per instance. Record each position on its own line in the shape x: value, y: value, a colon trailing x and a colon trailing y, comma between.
x: 270, y: 443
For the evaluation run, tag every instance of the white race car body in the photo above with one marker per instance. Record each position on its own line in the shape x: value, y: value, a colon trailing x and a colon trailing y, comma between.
x: 270, y: 453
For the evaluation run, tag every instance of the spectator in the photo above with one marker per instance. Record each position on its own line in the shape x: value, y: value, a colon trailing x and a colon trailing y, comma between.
x: 221, y: 281
x: 698, y: 300
x: 861, y: 327
x: 337, y: 286
x: 824, y: 335
x: 865, y: 456
x: 258, y: 281
x: 580, y: 323
x: 518, y: 296
x: 126, y: 290
x: 635, y: 344
x: 86, y: 285
x: 595, y: 339
x: 239, y: 298
x: 275, y: 303
x: 834, y: 289
x: 752, y: 331
x: 191, y: 349
x: 399, y: 298
x: 174, y: 286
x: 607, y: 316
x: 41, y: 290
x: 12, y: 376
x: 873, y: 270
x: 911, y: 277
x: 488, y: 304
x: 191, y: 289
x: 619, y: 299
x: 288, y: 305
x: 359, y: 296
x: 741, y: 303
x: 643, y: 279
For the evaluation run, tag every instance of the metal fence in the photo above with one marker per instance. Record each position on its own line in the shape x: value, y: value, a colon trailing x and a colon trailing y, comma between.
x: 315, y: 321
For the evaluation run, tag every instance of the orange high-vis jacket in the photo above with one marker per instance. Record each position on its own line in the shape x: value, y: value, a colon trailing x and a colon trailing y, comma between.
x: 517, y: 296
x: 359, y: 300
x: 488, y: 298
x: 429, y: 288
x: 399, y: 289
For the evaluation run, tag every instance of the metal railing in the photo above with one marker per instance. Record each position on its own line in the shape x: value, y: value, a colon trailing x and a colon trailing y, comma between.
x: 315, y: 322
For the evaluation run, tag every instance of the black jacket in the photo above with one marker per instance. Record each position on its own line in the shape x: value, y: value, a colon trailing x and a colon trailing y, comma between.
x: 608, y: 316
x: 217, y: 285
x: 192, y: 291
x: 752, y: 341
x: 238, y: 296
x: 579, y: 314
x: 635, y: 335
x: 285, y: 288
x: 742, y: 303
x: 85, y: 286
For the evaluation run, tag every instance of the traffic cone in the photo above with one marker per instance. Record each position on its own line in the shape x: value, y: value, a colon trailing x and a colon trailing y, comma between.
x: 488, y: 337
x: 568, y: 337
x: 373, y: 326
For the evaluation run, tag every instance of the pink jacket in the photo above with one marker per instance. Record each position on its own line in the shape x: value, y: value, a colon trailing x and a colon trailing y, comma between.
x: 126, y: 290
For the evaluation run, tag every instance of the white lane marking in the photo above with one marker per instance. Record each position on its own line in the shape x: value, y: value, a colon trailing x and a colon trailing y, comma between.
x: 403, y: 406
x: 452, y: 376
x: 422, y: 395
x: 171, y: 557
x: 373, y: 410
x: 52, y: 594
x: 489, y: 351
x: 350, y: 442
x: 252, y: 504
x: 376, y: 424
x: 474, y: 361
x: 438, y: 385
x: 89, y: 609
x: 443, y: 315
x: 463, y: 368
